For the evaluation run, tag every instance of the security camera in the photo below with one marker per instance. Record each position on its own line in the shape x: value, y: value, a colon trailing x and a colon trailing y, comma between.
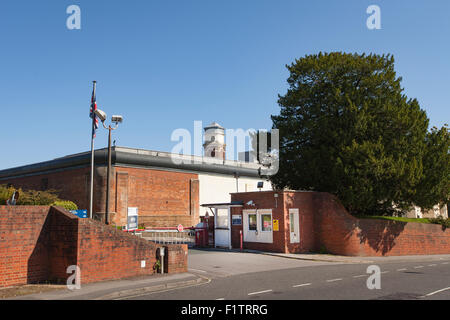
x: 102, y: 115
x: 117, y: 119
x: 250, y: 203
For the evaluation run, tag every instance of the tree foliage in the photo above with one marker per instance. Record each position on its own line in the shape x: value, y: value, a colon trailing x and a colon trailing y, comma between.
x: 347, y: 128
x: 435, y: 183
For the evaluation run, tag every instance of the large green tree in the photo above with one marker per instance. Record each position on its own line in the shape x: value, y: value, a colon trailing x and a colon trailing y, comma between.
x: 347, y: 128
x: 434, y: 187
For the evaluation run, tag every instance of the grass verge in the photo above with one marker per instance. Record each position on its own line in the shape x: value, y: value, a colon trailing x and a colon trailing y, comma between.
x: 401, y: 219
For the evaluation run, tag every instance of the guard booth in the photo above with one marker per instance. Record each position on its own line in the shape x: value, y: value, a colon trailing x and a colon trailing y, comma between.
x: 222, y: 222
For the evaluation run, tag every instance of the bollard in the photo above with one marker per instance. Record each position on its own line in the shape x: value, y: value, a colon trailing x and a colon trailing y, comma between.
x: 161, y: 255
x: 240, y: 236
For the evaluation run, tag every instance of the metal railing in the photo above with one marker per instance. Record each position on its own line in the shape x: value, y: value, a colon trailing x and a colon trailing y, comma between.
x: 170, y: 236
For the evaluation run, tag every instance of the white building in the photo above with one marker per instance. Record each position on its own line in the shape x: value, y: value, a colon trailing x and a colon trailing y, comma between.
x: 437, y: 211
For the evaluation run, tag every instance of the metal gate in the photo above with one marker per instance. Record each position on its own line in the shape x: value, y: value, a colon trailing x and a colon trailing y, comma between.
x: 186, y: 236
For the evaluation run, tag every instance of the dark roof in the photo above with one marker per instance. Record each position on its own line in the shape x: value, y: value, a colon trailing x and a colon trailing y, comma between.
x: 136, y: 158
x: 233, y: 203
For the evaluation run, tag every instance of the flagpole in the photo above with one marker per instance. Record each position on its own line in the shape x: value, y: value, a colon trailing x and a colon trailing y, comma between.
x: 92, y: 159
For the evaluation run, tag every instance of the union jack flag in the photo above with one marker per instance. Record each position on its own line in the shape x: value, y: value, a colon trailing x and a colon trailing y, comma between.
x: 92, y: 114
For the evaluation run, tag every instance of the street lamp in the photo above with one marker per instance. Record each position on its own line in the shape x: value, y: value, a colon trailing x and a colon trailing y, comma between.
x: 116, y: 119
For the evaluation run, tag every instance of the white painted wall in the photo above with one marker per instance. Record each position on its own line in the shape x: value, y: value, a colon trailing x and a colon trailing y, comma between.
x: 215, y: 188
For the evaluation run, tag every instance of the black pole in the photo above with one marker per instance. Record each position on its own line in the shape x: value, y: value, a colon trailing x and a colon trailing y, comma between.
x: 108, y: 174
x: 91, y: 196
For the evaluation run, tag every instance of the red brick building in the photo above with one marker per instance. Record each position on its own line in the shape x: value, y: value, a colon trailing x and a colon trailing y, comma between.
x: 273, y: 221
x: 164, y: 187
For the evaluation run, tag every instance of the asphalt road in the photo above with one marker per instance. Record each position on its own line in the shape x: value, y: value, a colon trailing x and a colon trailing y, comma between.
x: 238, y: 276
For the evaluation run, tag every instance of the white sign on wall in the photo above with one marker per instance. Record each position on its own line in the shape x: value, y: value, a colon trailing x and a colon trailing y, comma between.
x: 132, y: 219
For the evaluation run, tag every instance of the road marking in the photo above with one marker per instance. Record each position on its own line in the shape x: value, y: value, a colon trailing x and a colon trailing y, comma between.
x: 160, y: 291
x: 432, y: 265
x: 418, y: 267
x: 221, y: 299
x: 438, y: 291
x: 260, y: 292
x: 444, y: 262
x: 403, y: 269
x: 361, y: 275
x: 333, y: 280
x: 301, y: 285
x: 197, y: 270
x: 384, y: 272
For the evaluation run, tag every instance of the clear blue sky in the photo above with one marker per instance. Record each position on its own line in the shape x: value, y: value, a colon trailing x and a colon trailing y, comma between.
x: 163, y: 64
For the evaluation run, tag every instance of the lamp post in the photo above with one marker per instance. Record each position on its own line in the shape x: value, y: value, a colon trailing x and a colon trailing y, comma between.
x: 115, y: 119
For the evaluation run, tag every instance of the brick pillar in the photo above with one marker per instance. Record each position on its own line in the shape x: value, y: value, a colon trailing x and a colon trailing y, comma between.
x: 121, y: 199
x: 194, y: 206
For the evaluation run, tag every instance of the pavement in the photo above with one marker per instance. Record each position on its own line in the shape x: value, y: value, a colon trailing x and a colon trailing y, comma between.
x: 115, y: 290
x: 231, y: 273
x: 316, y: 257
x: 347, y: 259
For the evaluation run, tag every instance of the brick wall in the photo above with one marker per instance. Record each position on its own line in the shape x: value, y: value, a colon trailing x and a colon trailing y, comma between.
x: 340, y: 233
x: 23, y: 249
x: 164, y: 198
x: 105, y: 253
x: 326, y: 225
x: 38, y: 244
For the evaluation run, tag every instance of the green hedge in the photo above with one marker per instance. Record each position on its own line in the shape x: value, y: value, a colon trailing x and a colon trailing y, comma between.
x: 68, y: 205
x: 35, y: 198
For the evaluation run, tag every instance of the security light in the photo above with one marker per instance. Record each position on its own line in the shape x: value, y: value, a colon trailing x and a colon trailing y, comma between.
x: 102, y: 115
x: 117, y: 119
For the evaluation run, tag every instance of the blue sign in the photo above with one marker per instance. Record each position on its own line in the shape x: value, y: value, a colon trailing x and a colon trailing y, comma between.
x: 236, y: 220
x: 79, y: 213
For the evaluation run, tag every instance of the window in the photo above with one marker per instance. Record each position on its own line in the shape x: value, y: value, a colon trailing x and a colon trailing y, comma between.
x: 266, y: 222
x: 222, y: 218
x: 291, y: 222
x: 252, y: 222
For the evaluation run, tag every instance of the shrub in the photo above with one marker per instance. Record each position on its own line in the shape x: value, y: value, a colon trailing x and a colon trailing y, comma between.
x: 5, y: 194
x: 323, y: 250
x: 141, y: 226
x: 440, y: 220
x: 37, y: 198
x: 68, y: 205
